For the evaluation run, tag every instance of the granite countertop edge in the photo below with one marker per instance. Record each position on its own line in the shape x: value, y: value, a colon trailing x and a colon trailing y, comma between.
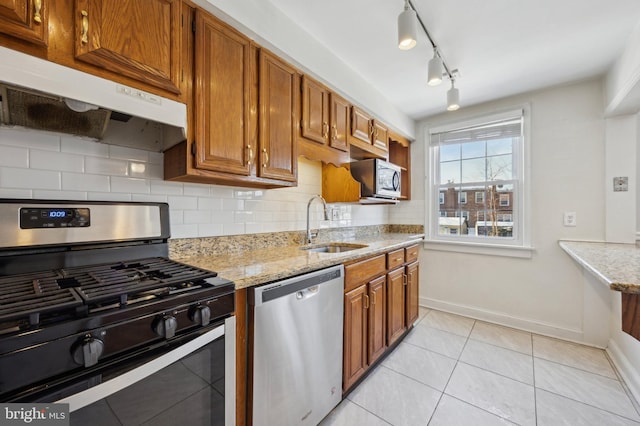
x: 617, y: 265
x: 256, y: 267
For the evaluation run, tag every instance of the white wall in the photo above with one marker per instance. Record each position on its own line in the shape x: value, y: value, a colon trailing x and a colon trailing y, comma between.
x: 46, y: 165
x: 545, y: 293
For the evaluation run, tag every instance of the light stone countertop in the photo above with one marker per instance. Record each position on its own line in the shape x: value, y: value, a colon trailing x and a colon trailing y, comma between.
x: 616, y: 265
x: 255, y: 267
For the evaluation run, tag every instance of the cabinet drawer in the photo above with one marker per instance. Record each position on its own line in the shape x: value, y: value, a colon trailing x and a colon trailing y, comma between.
x: 362, y: 272
x: 411, y: 253
x: 395, y: 258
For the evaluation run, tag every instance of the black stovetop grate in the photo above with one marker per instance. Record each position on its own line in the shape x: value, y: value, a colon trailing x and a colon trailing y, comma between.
x: 72, y: 289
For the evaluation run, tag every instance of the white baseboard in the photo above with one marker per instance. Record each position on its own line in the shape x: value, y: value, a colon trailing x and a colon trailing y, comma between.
x: 534, y: 326
x: 628, y: 370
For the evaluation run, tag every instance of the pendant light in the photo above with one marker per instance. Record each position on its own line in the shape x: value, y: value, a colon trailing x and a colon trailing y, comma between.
x: 453, y: 97
x: 407, y: 29
x: 434, y: 76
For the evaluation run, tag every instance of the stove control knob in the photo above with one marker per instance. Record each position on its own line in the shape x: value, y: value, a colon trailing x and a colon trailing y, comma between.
x: 201, y: 315
x: 165, y: 326
x: 87, y: 351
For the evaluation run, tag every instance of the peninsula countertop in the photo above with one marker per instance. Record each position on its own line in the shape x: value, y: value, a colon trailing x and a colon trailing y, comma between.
x: 615, y: 264
x: 255, y: 267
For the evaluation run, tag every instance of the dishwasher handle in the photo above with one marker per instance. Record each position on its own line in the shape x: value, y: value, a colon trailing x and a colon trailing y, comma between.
x: 303, y: 286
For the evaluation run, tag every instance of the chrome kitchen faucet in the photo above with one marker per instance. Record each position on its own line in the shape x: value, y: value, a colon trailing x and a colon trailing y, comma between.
x: 310, y: 235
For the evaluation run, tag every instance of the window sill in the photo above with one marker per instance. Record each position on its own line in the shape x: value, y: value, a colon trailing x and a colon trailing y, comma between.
x: 480, y: 248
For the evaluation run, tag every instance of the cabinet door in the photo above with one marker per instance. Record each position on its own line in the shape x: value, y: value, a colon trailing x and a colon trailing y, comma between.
x: 395, y: 305
x: 315, y: 111
x: 412, y: 291
x: 377, y: 318
x: 25, y: 19
x: 380, y: 137
x: 360, y: 125
x: 139, y: 39
x: 340, y: 109
x: 222, y: 97
x: 279, y: 86
x: 355, y: 335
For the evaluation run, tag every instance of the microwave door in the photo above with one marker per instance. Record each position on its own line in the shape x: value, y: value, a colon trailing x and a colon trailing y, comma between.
x: 388, y: 182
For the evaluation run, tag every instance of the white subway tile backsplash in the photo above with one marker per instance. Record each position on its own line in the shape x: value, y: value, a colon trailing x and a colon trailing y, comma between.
x: 210, y: 230
x: 15, y: 193
x: 233, y: 228
x: 230, y: 204
x: 156, y: 158
x: 29, y: 179
x: 133, y: 185
x: 109, y: 196
x: 145, y: 170
x: 168, y: 188
x: 84, y: 147
x: 44, y: 194
x: 149, y: 198
x: 84, y: 182
x: 197, y: 216
x: 245, y: 216
x: 64, y: 162
x: 221, y: 216
x: 25, y: 138
x: 184, y: 203
x: 197, y: 189
x: 13, y: 156
x: 123, y: 153
x: 176, y: 216
x: 184, y: 231
x: 221, y: 191
x: 106, y: 166
x: 209, y: 203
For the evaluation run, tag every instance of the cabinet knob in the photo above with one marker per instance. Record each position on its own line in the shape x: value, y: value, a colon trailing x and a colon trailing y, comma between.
x: 37, y: 9
x: 87, y: 351
x: 84, y: 39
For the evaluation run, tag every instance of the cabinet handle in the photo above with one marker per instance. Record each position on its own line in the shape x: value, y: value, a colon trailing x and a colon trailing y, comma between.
x: 404, y: 279
x: 334, y: 132
x: 85, y: 27
x: 375, y: 133
x: 325, y: 130
x: 265, y: 157
x: 37, y: 8
x: 250, y: 154
x: 366, y: 301
x: 398, y: 259
x: 373, y: 298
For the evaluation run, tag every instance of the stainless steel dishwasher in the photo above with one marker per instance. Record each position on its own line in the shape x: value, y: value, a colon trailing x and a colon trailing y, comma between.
x: 297, y: 341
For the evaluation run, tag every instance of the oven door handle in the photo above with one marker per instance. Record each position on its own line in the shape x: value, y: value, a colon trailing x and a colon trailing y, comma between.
x: 103, y: 390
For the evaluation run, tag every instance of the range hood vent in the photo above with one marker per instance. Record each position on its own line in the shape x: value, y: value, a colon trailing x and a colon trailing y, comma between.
x: 43, y: 95
x: 42, y: 112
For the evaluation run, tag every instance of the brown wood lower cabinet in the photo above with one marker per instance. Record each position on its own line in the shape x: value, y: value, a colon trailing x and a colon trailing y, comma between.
x: 379, y: 306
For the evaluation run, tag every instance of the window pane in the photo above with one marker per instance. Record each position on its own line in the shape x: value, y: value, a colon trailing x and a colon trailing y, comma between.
x: 499, y: 146
x: 473, y: 149
x: 450, y: 152
x: 473, y: 170
x: 450, y: 172
x: 500, y: 167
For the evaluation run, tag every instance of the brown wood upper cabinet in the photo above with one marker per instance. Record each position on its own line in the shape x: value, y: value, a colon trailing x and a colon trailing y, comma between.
x: 325, y: 115
x: 138, y: 39
x: 222, y: 111
x: 27, y: 20
x: 368, y: 134
x: 279, y: 88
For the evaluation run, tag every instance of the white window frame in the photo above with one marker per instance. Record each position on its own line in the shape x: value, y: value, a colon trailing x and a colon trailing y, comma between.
x: 505, y: 197
x: 460, y: 197
x: 520, y: 244
x: 481, y: 200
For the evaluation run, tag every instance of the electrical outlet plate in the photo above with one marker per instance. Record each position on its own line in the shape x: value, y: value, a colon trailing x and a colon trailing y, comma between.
x: 569, y: 218
x: 620, y: 184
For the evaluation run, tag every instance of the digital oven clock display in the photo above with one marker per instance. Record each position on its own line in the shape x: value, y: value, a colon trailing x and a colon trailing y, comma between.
x: 54, y: 217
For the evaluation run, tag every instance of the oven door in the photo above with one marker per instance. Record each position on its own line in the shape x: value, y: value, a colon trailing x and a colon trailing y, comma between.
x: 184, y: 386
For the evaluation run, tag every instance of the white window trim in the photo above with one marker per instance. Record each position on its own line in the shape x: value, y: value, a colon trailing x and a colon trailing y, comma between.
x: 520, y: 247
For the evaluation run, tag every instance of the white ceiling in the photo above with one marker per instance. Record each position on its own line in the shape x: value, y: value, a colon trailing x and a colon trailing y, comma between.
x: 501, y: 47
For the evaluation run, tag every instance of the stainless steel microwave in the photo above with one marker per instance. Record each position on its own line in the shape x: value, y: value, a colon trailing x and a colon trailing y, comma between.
x: 378, y: 178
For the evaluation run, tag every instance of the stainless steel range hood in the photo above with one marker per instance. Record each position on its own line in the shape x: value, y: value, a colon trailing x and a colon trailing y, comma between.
x: 43, y: 95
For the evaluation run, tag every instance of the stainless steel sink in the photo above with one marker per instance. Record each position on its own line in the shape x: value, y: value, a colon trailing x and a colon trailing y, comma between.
x: 334, y: 247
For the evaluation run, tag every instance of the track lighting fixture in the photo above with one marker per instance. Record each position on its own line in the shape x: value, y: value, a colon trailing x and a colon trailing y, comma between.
x: 407, y: 29
x: 437, y: 68
x: 453, y: 97
x: 434, y: 76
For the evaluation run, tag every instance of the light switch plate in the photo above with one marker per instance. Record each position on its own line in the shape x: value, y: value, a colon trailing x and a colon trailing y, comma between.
x: 620, y: 184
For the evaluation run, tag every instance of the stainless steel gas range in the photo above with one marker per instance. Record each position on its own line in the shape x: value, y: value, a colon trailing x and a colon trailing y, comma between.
x: 93, y: 313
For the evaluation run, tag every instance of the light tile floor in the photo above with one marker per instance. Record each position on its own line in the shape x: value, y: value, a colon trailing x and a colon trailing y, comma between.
x: 451, y: 370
